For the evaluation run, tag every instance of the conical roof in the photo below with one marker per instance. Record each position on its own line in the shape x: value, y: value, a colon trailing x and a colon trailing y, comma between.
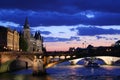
x: 26, y: 25
x: 37, y: 35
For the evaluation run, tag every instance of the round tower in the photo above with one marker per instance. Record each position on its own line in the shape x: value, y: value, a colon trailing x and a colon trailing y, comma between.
x: 27, y: 32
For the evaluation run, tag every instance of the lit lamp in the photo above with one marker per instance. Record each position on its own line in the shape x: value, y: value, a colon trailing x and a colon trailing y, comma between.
x: 17, y: 49
x: 20, y: 49
x: 11, y: 48
x: 5, y: 48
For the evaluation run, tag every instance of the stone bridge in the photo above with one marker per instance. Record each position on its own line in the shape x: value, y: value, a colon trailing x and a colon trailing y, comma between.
x: 45, y: 60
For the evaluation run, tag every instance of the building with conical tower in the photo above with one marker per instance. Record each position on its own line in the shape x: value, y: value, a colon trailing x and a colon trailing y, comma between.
x: 35, y: 42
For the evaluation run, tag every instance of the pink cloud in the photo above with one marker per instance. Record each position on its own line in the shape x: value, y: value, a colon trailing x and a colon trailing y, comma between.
x: 64, y: 46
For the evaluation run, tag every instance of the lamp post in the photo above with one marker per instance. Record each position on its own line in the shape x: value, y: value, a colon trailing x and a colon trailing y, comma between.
x: 84, y: 44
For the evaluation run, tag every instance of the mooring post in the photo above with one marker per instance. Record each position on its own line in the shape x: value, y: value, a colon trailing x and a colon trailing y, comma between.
x: 38, y: 67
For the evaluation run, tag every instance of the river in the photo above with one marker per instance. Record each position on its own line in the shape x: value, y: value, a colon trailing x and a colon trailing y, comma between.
x: 67, y: 72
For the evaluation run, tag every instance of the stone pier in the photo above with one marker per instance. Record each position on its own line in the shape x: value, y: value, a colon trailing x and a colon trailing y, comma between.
x: 38, y: 67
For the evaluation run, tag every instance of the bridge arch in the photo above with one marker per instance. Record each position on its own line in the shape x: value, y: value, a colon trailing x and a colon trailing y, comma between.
x: 13, y: 65
x: 108, y: 60
x: 28, y: 61
x: 100, y: 61
x: 117, y: 62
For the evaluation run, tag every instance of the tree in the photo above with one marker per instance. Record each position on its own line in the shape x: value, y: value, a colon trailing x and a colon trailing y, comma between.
x: 117, y: 43
x: 22, y: 43
x: 43, y: 49
x: 89, y: 47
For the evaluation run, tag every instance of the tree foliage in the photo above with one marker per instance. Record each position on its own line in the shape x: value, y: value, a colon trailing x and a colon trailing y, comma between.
x: 117, y: 44
x: 22, y: 43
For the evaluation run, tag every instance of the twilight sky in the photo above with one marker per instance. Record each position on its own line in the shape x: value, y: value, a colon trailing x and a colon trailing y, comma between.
x: 65, y: 23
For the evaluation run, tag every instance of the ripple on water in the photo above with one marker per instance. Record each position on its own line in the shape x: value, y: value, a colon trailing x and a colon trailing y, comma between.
x: 68, y: 73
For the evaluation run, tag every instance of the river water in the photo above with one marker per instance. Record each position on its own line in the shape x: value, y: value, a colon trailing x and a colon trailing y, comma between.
x: 67, y: 72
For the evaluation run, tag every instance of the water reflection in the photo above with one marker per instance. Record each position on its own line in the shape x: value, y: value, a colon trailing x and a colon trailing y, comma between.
x: 24, y: 77
x: 92, y: 70
x: 19, y: 77
x: 76, y: 72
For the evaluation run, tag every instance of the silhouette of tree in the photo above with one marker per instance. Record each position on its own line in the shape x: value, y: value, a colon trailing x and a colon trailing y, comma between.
x: 78, y: 49
x: 71, y: 49
x: 89, y: 47
x: 43, y: 49
x: 117, y: 43
x: 22, y: 43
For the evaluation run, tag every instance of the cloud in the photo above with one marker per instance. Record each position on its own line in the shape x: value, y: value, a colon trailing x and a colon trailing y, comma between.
x: 72, y: 29
x: 61, y: 12
x: 55, y: 39
x: 58, y: 39
x: 107, y: 38
x: 75, y: 38
x: 49, y: 18
x: 101, y: 37
x: 92, y: 31
x: 67, y: 6
x: 8, y: 24
x: 45, y: 32
x: 11, y: 25
x: 116, y: 38
x: 61, y: 32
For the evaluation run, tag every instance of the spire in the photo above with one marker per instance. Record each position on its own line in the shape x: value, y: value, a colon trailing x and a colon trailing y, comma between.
x: 26, y: 25
x: 37, y: 35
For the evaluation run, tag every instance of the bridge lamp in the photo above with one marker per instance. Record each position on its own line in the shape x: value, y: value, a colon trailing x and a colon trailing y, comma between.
x: 11, y: 48
x: 74, y: 56
x: 40, y: 57
x: 4, y: 48
x: 17, y: 49
x: 108, y: 50
x: 83, y: 44
x: 20, y: 49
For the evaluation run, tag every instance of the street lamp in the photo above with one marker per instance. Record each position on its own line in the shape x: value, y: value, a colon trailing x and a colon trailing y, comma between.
x: 84, y: 44
x: 4, y: 48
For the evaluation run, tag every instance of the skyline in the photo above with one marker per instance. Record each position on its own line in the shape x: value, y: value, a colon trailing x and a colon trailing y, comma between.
x: 65, y: 23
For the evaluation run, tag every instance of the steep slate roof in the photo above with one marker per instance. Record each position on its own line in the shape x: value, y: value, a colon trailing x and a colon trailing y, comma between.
x: 26, y: 25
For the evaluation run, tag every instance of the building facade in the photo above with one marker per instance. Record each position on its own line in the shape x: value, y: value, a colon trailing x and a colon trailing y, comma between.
x: 9, y: 39
x: 35, y: 42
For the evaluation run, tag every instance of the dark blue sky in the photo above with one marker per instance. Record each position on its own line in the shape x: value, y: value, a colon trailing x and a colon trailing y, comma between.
x: 61, y: 12
x: 65, y: 20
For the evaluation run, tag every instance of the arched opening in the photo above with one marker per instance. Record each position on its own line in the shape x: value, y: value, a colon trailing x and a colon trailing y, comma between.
x: 17, y: 65
x: 100, y: 61
x: 116, y: 63
x: 13, y: 65
x: 81, y: 61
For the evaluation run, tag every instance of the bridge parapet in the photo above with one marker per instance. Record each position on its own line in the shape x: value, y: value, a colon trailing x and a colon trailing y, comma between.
x: 51, y: 58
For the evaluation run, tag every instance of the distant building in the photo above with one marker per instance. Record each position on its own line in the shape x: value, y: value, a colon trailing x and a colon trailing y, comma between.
x: 9, y: 39
x: 35, y: 43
